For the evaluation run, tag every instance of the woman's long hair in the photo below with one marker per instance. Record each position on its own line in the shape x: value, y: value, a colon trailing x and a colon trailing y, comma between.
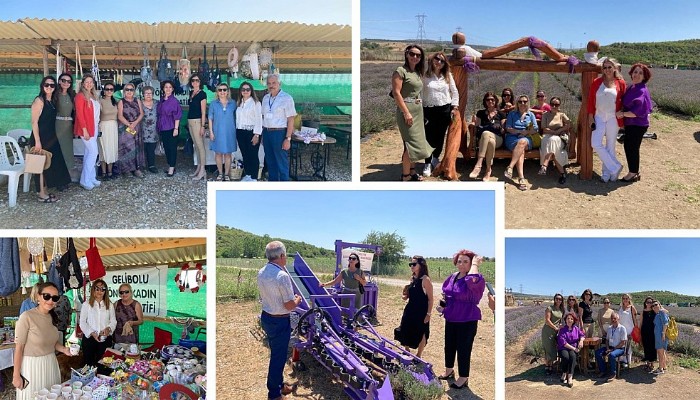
x: 420, y: 67
x: 42, y: 94
x: 105, y: 298
x: 422, y: 266
x: 239, y: 102
x: 70, y: 91
x: 561, y: 303
x: 88, y: 94
x: 445, y: 70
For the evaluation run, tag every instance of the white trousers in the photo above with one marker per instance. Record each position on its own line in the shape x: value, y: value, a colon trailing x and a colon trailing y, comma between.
x: 606, y: 127
x: 88, y: 176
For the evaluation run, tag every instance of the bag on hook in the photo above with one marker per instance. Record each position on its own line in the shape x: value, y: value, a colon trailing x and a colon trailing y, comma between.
x: 204, y: 72
x: 69, y: 267
x: 95, y: 266
x: 165, y: 67
x: 10, y: 273
x: 214, y: 76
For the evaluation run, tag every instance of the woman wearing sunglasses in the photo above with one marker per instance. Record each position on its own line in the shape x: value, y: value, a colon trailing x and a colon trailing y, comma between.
x: 352, y: 277
x: 552, y: 323
x: 65, y: 96
x: 507, y: 103
x: 415, y: 322
x: 36, y: 342
x: 98, y: 322
x: 86, y: 127
x: 604, y: 101
x: 521, y: 125
x: 553, y: 148
x: 129, y: 314
x: 109, y: 130
x: 489, y: 134
x: 44, y: 137
x: 462, y: 292
x: 222, y: 128
x: 406, y: 89
x: 604, y: 317
x: 248, y: 129
x: 131, y: 154
x: 440, y: 106
x: 661, y: 320
x: 196, y: 118
x: 647, y: 328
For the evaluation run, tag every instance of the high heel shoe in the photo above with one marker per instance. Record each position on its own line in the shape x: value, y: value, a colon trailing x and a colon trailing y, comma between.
x: 634, y: 178
x: 448, y: 376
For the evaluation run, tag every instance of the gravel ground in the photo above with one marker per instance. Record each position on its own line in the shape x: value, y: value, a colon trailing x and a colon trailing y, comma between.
x: 154, y: 202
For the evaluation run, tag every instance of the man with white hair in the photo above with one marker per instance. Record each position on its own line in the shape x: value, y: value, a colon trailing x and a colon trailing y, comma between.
x: 278, y: 300
x: 617, y: 340
x: 278, y: 127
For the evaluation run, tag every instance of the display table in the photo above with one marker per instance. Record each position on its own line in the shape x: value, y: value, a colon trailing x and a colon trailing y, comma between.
x: 592, y: 343
x: 317, y: 152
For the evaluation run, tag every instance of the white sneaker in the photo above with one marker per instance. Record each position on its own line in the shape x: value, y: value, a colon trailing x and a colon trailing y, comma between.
x: 245, y: 178
x: 427, y: 170
x: 434, y: 162
x: 96, y: 183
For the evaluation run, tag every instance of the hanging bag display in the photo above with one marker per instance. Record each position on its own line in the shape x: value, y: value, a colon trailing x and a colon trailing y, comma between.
x: 165, y: 67
x: 69, y: 267
x: 96, y: 268
x: 184, y: 69
x: 232, y: 61
x: 146, y: 68
x: 214, y: 76
x: 204, y: 68
x: 10, y: 273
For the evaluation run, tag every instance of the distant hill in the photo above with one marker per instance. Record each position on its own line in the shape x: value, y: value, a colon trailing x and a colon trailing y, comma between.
x: 663, y: 296
x: 235, y: 243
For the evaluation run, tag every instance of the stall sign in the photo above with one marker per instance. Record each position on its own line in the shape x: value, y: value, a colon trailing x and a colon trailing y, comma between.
x: 149, y: 285
x: 365, y: 259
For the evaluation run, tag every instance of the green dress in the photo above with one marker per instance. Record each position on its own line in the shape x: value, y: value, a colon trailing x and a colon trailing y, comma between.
x: 64, y: 128
x: 549, y: 335
x: 414, y: 136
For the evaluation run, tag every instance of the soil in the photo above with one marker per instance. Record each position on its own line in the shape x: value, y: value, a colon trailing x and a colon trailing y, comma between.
x: 526, y: 379
x: 667, y: 196
x: 242, y: 359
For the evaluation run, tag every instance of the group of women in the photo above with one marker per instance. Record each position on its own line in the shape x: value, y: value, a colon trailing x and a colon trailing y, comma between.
x: 427, y: 99
x: 38, y: 338
x: 461, y: 293
x: 126, y: 132
x: 567, y: 324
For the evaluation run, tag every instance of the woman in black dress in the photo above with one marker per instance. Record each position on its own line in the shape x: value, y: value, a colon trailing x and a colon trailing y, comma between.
x: 648, y: 316
x: 585, y: 314
x: 44, y: 137
x: 415, y: 323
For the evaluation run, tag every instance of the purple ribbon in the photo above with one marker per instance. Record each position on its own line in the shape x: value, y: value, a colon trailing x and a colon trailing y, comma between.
x: 533, y: 44
x: 572, y: 61
x: 470, y: 64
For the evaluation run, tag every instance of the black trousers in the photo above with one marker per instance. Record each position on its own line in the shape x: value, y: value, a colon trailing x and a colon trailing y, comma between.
x: 437, y: 119
x: 568, y: 360
x: 150, y: 150
x: 251, y: 162
x: 93, y: 350
x: 170, y: 146
x: 459, y: 339
x: 633, y: 141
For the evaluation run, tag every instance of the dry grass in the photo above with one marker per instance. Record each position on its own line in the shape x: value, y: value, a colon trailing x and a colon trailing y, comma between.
x: 242, y: 360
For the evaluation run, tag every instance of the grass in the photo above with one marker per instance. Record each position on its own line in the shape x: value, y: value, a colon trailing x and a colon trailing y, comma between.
x: 689, y: 362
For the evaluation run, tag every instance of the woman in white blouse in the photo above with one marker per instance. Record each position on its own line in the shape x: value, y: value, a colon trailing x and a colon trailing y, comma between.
x: 440, y: 105
x: 248, y: 130
x: 97, y: 321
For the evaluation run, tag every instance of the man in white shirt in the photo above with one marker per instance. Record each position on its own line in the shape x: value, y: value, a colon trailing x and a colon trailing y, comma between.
x: 278, y: 300
x: 278, y: 127
x: 617, y: 340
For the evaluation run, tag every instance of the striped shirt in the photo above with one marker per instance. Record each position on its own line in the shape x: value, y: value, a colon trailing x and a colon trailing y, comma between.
x: 275, y: 287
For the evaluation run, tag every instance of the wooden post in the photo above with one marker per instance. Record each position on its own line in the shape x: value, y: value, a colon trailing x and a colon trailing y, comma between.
x: 457, y: 129
x: 45, y: 57
x: 584, y: 149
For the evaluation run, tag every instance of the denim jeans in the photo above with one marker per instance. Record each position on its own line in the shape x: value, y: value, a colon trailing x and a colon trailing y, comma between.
x: 278, y: 331
x: 277, y: 160
x: 612, y: 360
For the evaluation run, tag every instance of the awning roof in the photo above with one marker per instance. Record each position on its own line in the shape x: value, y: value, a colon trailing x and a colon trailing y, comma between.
x: 119, y: 253
x: 296, y: 46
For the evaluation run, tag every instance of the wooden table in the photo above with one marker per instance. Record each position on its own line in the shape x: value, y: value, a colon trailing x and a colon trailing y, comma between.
x: 588, y: 344
x: 319, y: 157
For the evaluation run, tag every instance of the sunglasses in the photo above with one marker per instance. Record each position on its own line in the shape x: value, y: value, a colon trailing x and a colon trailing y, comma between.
x: 65, y: 81
x: 558, y: 299
x: 647, y: 302
x: 129, y: 89
x: 606, y: 302
x: 352, y: 258
x: 48, y: 297
x: 124, y: 291
x: 522, y: 101
x: 246, y: 89
x: 539, y: 96
x: 657, y: 305
x: 222, y: 90
x: 571, y: 300
x: 490, y: 99
x: 440, y: 60
x: 556, y: 105
x: 195, y: 80
x: 49, y: 85
x: 109, y: 89
x: 506, y: 95
x: 415, y: 55
x: 100, y: 288
x: 608, y: 67
x: 412, y: 264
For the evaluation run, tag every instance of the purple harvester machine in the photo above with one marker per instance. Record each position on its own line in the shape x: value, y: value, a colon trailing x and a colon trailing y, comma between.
x: 343, y: 340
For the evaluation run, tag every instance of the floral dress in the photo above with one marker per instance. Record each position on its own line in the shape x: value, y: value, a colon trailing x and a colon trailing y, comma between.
x: 131, y: 153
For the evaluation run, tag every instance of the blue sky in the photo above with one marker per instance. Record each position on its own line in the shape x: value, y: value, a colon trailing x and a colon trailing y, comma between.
x: 425, y: 218
x: 334, y: 11
x: 549, y: 265
x: 562, y: 23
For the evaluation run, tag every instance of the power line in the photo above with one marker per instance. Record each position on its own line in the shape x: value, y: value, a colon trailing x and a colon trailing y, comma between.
x: 421, y: 28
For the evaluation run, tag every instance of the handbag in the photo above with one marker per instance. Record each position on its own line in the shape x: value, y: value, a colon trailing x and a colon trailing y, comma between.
x: 37, y: 160
x: 397, y: 334
x: 362, y: 289
x: 96, y: 268
x: 69, y: 267
x: 636, y: 335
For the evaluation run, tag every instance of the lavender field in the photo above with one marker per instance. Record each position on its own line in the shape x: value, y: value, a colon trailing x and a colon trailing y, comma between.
x: 520, y: 320
x: 671, y: 90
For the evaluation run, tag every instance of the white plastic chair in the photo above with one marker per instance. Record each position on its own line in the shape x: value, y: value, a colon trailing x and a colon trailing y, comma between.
x: 16, y: 134
x: 12, y: 165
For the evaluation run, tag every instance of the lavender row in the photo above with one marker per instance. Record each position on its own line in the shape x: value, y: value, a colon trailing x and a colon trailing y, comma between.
x: 518, y: 326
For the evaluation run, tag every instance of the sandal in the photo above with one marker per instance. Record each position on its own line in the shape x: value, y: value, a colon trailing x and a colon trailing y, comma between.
x: 412, y: 177
x: 219, y: 177
x: 475, y: 172
x: 509, y: 173
x: 48, y: 199
x: 543, y: 170
x: 521, y: 184
x: 227, y: 178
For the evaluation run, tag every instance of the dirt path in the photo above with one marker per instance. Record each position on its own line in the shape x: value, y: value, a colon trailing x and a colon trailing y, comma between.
x: 242, y: 359
x: 526, y: 380
x: 667, y: 197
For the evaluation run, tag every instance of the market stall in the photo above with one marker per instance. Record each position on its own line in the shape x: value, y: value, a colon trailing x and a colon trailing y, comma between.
x: 168, y: 277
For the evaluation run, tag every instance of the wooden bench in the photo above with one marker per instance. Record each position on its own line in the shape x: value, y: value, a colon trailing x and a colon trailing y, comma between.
x: 501, y: 152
